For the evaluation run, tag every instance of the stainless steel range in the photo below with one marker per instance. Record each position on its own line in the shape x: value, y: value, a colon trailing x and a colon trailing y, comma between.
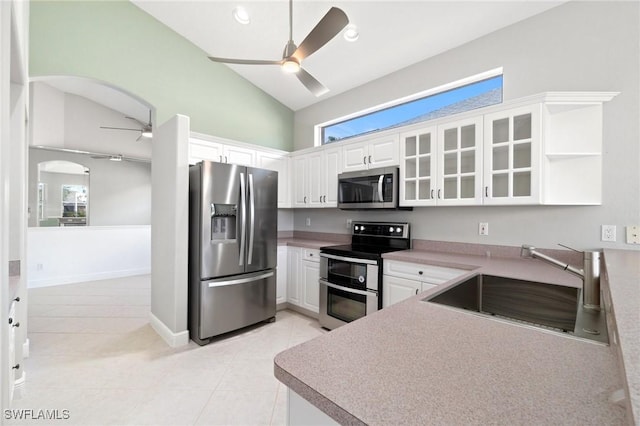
x: 351, y: 274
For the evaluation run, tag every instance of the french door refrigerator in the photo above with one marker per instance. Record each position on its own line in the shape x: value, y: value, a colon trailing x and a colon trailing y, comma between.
x: 233, y: 221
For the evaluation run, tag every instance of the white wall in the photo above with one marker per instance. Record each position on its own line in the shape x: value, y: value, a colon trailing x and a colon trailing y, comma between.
x: 170, y: 226
x: 77, y: 254
x: 579, y: 46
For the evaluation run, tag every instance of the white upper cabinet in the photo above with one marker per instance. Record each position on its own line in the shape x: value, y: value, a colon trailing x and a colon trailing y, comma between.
x: 543, y: 149
x: 511, y: 156
x: 315, y: 178
x: 418, y: 167
x: 280, y: 164
x: 202, y: 149
x: 239, y: 155
x: 460, y: 162
x: 371, y: 153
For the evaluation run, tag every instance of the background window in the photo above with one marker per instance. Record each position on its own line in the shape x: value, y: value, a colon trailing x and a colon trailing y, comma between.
x: 460, y: 99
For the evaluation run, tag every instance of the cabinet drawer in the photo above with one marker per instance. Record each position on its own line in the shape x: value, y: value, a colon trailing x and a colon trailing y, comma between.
x: 311, y: 255
x: 424, y: 273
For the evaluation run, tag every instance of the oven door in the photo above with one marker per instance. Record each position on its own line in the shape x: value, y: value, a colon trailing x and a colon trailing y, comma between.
x: 340, y: 305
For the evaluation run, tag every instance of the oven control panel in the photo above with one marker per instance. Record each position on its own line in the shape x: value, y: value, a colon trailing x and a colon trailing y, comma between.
x: 381, y: 229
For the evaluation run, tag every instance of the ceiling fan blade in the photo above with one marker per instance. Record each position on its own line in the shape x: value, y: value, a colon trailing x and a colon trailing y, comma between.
x: 311, y: 83
x: 120, y: 128
x: 328, y: 27
x: 245, y: 61
x: 136, y: 120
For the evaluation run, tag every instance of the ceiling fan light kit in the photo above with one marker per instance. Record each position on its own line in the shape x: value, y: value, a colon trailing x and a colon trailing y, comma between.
x: 334, y: 21
x: 145, y: 132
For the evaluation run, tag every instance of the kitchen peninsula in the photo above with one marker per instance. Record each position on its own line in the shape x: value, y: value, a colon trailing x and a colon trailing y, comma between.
x: 421, y: 363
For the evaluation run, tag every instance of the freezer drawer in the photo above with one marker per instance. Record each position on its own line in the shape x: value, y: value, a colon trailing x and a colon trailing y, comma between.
x: 230, y: 303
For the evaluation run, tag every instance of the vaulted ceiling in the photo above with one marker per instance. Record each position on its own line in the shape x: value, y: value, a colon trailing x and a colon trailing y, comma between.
x: 392, y: 36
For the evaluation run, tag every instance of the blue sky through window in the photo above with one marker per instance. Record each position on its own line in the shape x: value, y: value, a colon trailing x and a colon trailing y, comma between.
x: 414, y: 110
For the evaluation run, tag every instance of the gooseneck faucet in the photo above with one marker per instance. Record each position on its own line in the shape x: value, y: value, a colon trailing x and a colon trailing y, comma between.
x: 590, y: 273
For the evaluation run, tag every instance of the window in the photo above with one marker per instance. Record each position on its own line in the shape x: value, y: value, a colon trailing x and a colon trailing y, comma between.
x: 465, y: 95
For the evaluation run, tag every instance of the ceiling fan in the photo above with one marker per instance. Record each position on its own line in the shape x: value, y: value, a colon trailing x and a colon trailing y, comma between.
x: 146, y: 130
x: 327, y: 28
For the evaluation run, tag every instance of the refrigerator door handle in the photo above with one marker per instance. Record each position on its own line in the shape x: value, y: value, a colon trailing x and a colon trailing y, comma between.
x: 252, y: 216
x: 240, y: 280
x: 243, y: 225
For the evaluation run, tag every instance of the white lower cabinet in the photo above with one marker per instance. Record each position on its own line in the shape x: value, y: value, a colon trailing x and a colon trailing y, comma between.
x: 310, y: 269
x: 396, y: 289
x: 282, y: 270
x: 303, y: 267
x: 402, y: 280
x: 293, y: 275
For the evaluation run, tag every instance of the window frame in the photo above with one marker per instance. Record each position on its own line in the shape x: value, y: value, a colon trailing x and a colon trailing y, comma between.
x: 318, y: 128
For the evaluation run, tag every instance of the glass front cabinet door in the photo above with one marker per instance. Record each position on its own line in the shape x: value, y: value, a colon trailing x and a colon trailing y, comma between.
x: 418, y: 167
x: 512, y: 150
x: 460, y: 163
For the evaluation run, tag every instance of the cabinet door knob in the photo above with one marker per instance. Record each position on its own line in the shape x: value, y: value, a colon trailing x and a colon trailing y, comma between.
x: 16, y: 367
x: 364, y: 160
x: 439, y: 192
x: 420, y: 272
x: 369, y: 159
x: 432, y: 194
x: 486, y: 191
x: 416, y: 291
x: 305, y: 200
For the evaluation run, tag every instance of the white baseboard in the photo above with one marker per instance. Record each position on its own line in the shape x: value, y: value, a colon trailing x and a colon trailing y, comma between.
x: 70, y: 279
x: 172, y: 339
x: 25, y: 348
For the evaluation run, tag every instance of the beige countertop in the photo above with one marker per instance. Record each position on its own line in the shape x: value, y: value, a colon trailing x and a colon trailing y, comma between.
x: 422, y: 363
x: 304, y: 243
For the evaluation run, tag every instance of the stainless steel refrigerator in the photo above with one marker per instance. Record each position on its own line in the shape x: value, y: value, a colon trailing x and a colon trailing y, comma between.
x: 233, y: 231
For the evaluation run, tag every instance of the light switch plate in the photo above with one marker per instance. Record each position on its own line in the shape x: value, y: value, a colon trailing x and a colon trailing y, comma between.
x: 633, y: 234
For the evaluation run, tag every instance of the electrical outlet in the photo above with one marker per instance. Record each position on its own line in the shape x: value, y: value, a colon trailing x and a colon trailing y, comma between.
x: 39, y: 267
x: 308, y: 221
x: 608, y: 233
x: 349, y: 222
x: 483, y: 228
x: 633, y: 234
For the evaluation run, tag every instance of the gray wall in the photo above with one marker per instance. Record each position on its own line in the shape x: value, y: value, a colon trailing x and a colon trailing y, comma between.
x: 578, y: 46
x: 119, y: 192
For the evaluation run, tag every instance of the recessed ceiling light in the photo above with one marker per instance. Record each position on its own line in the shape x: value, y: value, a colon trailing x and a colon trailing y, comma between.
x: 351, y: 33
x: 241, y: 15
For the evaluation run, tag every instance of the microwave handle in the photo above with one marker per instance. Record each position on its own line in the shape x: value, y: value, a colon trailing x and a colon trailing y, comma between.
x: 380, y: 195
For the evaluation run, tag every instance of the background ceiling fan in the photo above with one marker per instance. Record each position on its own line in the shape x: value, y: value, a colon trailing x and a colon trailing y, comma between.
x: 146, y: 130
x: 327, y: 28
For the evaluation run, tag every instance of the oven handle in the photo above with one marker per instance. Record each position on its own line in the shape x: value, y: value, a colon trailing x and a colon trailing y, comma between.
x: 348, y: 259
x: 347, y: 289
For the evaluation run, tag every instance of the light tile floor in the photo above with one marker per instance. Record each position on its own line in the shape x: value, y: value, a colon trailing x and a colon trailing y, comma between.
x: 94, y: 354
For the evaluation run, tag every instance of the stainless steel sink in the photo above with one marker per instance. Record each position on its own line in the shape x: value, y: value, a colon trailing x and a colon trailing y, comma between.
x: 552, y: 307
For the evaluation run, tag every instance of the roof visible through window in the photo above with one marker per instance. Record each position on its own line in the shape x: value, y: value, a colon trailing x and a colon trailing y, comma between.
x: 460, y: 99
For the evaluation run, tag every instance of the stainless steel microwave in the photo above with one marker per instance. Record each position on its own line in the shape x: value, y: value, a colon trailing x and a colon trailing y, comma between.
x: 368, y: 189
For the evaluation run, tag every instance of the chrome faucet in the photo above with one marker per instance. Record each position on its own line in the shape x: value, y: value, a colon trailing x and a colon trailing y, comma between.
x: 590, y: 273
